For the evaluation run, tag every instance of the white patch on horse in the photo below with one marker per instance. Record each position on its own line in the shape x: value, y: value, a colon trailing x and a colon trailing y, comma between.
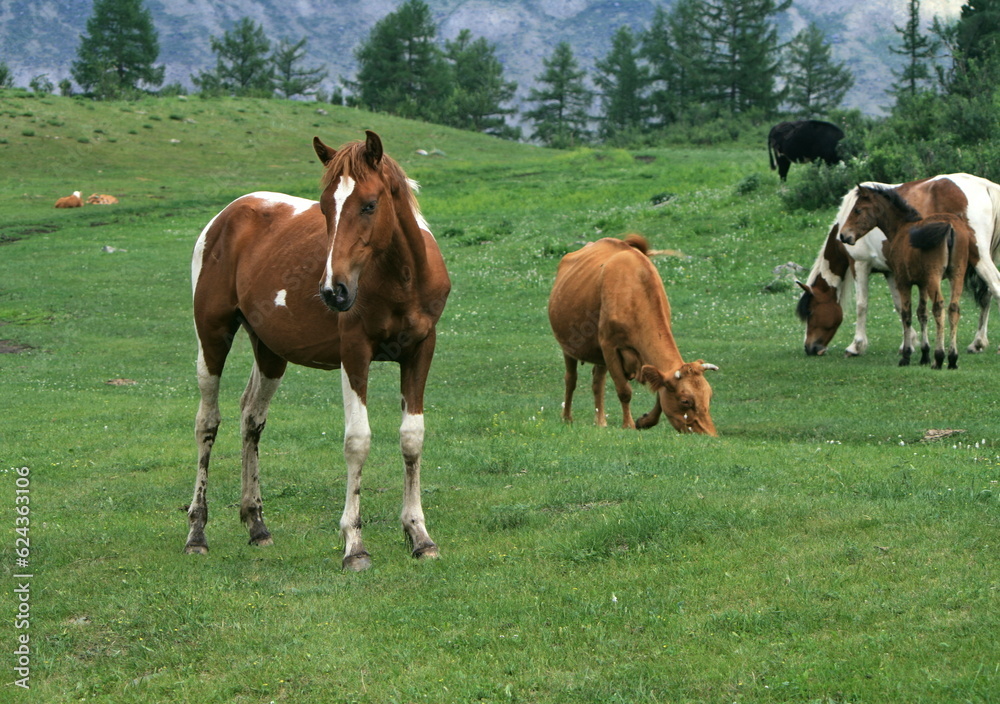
x: 344, y: 190
x: 199, y: 254
x: 299, y: 205
x: 357, y: 441
x: 279, y: 299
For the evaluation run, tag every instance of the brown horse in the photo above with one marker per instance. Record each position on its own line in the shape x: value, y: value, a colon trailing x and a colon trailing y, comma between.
x: 336, y: 284
x: 921, y: 252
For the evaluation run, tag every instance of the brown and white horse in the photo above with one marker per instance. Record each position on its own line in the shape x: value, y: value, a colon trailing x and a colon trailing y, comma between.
x: 336, y: 284
x: 838, y: 263
x: 921, y: 252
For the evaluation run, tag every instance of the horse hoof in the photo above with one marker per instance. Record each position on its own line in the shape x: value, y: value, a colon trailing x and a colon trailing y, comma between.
x: 196, y: 549
x: 427, y: 552
x: 262, y: 542
x: 356, y: 563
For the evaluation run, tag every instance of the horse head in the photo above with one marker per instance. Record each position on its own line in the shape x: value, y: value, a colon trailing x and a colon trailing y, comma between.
x: 363, y: 191
x: 863, y: 215
x: 684, y: 395
x: 819, y: 309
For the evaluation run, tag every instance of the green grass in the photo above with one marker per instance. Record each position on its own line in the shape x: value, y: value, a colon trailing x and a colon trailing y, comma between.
x: 815, y: 552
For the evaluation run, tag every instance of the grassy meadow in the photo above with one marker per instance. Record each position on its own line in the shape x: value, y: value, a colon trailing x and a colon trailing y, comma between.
x: 817, y: 551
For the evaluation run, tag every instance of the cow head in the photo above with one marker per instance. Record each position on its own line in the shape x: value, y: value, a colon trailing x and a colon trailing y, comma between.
x: 819, y: 309
x: 684, y: 395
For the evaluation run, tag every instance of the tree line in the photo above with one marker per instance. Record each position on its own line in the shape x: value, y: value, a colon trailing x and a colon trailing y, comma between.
x: 697, y: 62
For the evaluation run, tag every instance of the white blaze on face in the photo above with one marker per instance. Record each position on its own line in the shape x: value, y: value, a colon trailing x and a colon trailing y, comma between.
x: 344, y: 190
x: 279, y: 299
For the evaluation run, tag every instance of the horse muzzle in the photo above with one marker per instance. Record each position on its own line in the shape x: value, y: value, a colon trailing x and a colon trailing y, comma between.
x: 815, y: 349
x: 337, y: 297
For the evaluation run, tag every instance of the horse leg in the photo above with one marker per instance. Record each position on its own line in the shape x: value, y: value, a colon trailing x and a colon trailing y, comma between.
x: 357, y: 442
x: 906, y: 317
x: 206, y: 429
x: 784, y: 163
x: 938, y: 309
x: 264, y: 381
x: 862, y: 270
x: 954, y: 314
x: 598, y: 375
x: 413, y: 377
x: 925, y: 345
x: 215, y: 338
x: 570, y: 380
x: 981, y: 341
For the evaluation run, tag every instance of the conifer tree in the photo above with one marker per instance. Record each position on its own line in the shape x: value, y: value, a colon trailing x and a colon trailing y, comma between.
x: 741, y: 57
x: 118, y: 50
x: 243, y: 66
x: 814, y: 83
x: 290, y: 79
x: 672, y: 49
x: 400, y: 69
x: 623, y: 84
x: 918, y: 49
x: 562, y: 101
x: 480, y: 91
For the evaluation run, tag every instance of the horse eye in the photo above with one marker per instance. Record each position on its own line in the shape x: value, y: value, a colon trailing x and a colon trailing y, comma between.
x: 369, y: 207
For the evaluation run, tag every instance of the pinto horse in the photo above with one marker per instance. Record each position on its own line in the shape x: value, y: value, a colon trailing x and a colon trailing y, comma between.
x: 921, y: 252
x: 336, y: 284
x: 838, y: 263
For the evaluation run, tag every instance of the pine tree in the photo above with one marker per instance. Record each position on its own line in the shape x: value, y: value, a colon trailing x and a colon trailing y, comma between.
x: 243, y: 67
x: 673, y: 49
x: 918, y: 49
x: 978, y: 29
x: 561, y: 117
x: 400, y: 69
x: 118, y: 50
x: 741, y: 58
x: 623, y: 84
x: 480, y: 90
x: 814, y: 83
x: 290, y: 79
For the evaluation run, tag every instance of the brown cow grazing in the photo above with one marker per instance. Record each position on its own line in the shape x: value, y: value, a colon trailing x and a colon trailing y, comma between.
x: 608, y: 308
x: 73, y: 201
x: 101, y: 199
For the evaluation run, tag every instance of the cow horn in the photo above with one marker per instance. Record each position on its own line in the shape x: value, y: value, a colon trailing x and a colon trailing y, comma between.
x: 706, y: 367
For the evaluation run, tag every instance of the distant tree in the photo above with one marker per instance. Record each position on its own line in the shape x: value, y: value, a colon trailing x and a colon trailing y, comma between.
x: 978, y: 29
x: 673, y: 50
x: 41, y: 84
x: 400, y: 69
x: 623, y: 84
x: 919, y: 51
x: 66, y: 87
x: 118, y: 50
x: 243, y: 67
x: 561, y: 116
x: 6, y: 76
x: 290, y: 79
x: 741, y: 57
x: 480, y: 91
x: 814, y: 83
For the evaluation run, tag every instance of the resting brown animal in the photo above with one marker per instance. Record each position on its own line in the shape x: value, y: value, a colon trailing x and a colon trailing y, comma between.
x: 101, y: 199
x: 608, y: 308
x: 73, y: 201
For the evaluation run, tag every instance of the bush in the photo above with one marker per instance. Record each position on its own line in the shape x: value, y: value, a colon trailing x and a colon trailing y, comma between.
x: 824, y: 186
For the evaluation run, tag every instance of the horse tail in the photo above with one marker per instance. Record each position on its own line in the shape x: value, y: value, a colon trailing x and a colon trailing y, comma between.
x: 930, y: 235
x: 977, y: 286
x: 637, y: 242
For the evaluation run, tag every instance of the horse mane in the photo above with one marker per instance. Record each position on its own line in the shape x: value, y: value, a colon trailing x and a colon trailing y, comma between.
x: 352, y: 160
x: 897, y: 201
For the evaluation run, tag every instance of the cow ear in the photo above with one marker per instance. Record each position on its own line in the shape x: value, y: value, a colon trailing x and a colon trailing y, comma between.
x: 652, y: 377
x: 324, y: 152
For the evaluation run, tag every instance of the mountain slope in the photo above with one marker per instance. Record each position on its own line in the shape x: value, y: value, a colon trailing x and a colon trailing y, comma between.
x: 42, y: 36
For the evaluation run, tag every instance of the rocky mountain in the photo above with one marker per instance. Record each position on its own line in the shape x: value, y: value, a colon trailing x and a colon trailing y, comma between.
x: 42, y: 36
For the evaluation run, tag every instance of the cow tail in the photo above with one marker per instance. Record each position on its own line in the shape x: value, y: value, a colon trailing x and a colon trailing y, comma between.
x: 637, y: 242
x: 770, y: 153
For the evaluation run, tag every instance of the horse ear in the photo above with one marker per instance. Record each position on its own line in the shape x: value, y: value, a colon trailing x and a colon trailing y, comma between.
x: 324, y: 152
x: 804, y: 287
x: 373, y: 147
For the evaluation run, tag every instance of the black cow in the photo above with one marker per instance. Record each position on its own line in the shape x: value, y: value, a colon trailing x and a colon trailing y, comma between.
x: 802, y: 141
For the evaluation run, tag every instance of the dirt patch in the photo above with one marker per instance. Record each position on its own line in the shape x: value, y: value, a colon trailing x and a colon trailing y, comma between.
x: 13, y: 234
x: 11, y: 347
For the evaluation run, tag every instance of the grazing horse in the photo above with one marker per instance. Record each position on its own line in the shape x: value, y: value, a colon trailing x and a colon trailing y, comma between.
x: 336, y: 284
x: 608, y: 308
x: 921, y: 252
x: 824, y: 291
